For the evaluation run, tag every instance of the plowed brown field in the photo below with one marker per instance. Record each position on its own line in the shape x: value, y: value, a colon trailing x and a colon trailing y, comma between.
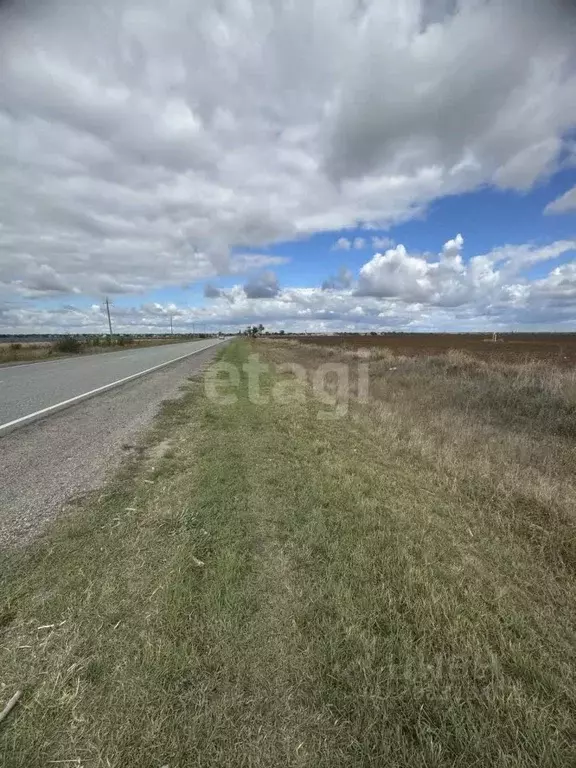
x: 557, y: 348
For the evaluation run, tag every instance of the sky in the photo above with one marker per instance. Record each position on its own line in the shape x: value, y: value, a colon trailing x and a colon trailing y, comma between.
x: 311, y: 165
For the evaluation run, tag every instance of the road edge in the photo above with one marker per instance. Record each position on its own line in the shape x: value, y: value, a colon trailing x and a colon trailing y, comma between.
x: 30, y: 418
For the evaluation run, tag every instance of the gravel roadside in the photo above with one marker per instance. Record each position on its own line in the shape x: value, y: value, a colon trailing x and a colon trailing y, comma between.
x: 71, y: 452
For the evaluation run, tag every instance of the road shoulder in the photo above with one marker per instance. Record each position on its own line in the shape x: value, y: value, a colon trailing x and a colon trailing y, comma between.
x: 44, y: 464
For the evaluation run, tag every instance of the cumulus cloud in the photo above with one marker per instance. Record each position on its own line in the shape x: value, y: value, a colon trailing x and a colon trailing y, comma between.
x: 342, y: 280
x: 381, y: 243
x: 345, y: 244
x: 212, y: 292
x: 399, y: 289
x: 564, y: 203
x: 42, y: 279
x: 430, y: 97
x: 446, y: 280
x: 264, y: 286
x: 342, y: 244
x: 143, y: 143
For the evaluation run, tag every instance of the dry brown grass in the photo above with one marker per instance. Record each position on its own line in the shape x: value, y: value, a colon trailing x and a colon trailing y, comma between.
x: 261, y: 589
x: 505, y: 432
x: 25, y: 352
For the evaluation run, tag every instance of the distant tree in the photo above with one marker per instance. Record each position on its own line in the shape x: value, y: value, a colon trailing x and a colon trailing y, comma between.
x: 281, y: 332
x: 254, y: 330
x: 69, y: 345
x: 123, y: 341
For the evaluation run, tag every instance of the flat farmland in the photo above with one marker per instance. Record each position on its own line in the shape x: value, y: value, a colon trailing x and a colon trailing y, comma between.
x: 287, y: 574
x: 557, y: 348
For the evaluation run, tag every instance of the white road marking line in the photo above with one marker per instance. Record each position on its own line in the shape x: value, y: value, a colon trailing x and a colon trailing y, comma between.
x: 29, y: 418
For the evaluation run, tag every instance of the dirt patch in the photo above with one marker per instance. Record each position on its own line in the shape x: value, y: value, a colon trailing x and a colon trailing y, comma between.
x: 157, y: 452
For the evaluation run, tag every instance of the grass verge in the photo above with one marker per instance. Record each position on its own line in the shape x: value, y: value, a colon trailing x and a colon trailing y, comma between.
x: 26, y: 352
x: 260, y: 588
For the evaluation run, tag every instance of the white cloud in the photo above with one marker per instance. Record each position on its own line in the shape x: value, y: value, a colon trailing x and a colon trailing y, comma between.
x: 413, y: 278
x: 381, y: 243
x: 342, y: 244
x: 418, y: 96
x: 141, y: 141
x: 564, y: 203
x: 345, y: 244
x: 558, y: 285
x: 447, y: 281
x: 43, y: 280
x: 395, y: 290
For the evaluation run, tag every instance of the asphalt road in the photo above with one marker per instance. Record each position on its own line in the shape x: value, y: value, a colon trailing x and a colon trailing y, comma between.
x: 27, y: 389
x: 46, y: 464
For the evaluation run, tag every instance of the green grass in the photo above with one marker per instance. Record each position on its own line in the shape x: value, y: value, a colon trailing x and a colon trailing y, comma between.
x: 267, y: 589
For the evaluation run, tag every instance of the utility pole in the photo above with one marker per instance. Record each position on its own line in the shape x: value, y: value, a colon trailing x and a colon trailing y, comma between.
x: 109, y: 320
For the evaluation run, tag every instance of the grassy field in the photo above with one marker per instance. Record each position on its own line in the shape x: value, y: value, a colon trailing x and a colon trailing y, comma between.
x: 261, y: 587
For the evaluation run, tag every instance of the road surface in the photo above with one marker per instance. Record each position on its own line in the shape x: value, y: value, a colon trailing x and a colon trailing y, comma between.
x: 28, y: 390
x: 45, y: 464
